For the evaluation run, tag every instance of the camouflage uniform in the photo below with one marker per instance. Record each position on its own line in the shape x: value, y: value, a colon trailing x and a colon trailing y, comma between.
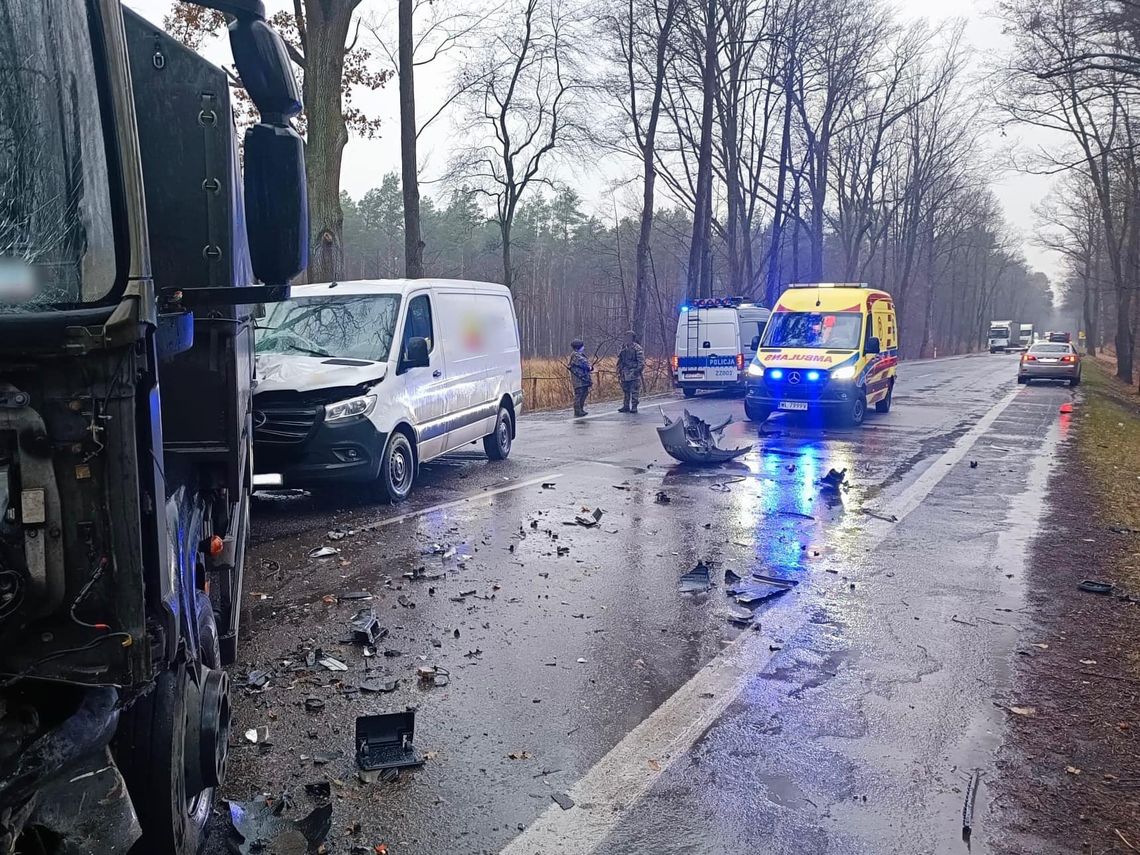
x: 580, y: 371
x: 630, y: 365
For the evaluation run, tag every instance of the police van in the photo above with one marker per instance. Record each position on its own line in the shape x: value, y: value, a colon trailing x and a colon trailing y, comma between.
x: 829, y: 348
x: 716, y: 339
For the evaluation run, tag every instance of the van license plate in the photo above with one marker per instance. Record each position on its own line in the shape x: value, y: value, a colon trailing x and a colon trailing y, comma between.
x: 693, y: 373
x: 798, y: 406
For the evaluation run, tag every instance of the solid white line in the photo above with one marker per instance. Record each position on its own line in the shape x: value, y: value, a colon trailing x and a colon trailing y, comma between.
x: 625, y: 774
x: 466, y: 500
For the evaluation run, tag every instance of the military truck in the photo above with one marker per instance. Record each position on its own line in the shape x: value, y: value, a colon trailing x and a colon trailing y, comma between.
x: 133, y: 256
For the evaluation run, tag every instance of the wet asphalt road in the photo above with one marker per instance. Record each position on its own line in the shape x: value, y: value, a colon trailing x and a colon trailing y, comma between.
x: 848, y: 722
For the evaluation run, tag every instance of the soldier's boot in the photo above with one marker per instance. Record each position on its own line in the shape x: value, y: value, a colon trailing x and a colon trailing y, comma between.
x: 634, y: 397
x: 625, y: 407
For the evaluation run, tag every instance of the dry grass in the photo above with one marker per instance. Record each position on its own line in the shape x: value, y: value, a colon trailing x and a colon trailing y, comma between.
x: 546, y: 382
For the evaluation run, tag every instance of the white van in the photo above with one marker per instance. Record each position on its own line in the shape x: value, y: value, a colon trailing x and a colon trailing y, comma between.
x: 716, y: 341
x: 364, y: 381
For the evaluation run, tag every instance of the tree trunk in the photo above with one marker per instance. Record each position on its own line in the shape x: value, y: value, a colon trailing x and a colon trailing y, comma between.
x: 409, y: 172
x: 700, y: 249
x: 508, y: 269
x: 772, y: 281
x: 326, y: 26
x: 1123, y: 339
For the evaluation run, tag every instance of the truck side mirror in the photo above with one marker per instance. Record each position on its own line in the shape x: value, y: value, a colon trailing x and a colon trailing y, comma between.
x: 416, y: 353
x: 276, y: 203
x: 872, y: 346
x: 755, y: 342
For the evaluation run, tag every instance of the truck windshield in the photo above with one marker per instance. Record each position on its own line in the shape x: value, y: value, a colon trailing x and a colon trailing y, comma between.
x: 999, y: 332
x: 56, y: 234
x: 353, y: 326
x: 822, y: 330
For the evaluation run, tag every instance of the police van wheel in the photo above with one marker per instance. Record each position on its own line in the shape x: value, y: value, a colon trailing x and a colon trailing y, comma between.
x: 884, y: 406
x: 498, y: 444
x: 690, y: 393
x: 397, y: 469
x: 756, y: 413
x: 858, y: 411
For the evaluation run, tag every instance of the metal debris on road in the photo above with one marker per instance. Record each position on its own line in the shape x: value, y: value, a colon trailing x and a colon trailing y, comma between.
x: 385, y: 741
x: 366, y: 628
x: 1094, y: 586
x: 968, y: 807
x: 696, y: 580
x: 262, y: 826
x: 331, y: 663
x: 323, y: 552
x: 589, y: 518
x: 562, y: 800
x: 662, y: 498
x: 692, y: 440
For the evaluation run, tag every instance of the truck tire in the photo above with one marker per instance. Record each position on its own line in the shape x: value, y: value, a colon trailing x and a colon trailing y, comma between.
x: 397, y: 468
x: 689, y: 393
x: 498, y: 444
x: 884, y: 406
x: 756, y: 412
x: 150, y: 750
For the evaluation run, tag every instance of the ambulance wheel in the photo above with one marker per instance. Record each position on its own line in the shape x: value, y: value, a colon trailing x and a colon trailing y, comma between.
x: 690, y: 393
x: 498, y: 444
x: 756, y: 412
x: 857, y: 411
x: 397, y: 468
x: 884, y: 406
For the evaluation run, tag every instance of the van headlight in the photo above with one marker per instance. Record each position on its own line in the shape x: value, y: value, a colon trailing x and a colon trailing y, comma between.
x: 847, y: 372
x: 755, y: 369
x: 359, y: 406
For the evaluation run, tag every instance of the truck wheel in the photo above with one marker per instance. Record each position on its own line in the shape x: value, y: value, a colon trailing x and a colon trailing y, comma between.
x: 397, y: 469
x: 857, y: 411
x: 498, y: 444
x: 689, y: 393
x: 884, y: 406
x: 150, y: 749
x: 756, y: 412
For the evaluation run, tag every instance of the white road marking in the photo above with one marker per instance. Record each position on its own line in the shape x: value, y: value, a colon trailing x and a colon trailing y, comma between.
x: 466, y: 500
x: 624, y: 775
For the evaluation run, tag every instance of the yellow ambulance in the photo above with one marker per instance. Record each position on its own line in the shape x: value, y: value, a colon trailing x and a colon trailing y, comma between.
x: 828, y: 347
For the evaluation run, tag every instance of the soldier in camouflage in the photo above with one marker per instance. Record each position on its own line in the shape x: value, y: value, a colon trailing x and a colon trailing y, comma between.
x: 580, y: 371
x: 630, y: 365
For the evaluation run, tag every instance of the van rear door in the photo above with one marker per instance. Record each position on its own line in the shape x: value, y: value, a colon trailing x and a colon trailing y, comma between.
x: 720, y: 344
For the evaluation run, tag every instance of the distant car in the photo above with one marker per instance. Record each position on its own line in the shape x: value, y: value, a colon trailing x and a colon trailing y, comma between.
x: 1060, y: 337
x: 1050, y: 361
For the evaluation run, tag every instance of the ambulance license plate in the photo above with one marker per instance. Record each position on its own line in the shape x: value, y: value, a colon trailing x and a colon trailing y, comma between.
x: 798, y: 406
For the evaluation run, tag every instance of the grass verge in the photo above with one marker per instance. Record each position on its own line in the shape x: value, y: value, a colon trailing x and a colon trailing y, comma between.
x: 546, y: 382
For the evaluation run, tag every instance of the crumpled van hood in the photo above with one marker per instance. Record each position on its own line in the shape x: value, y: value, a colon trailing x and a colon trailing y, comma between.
x: 289, y: 372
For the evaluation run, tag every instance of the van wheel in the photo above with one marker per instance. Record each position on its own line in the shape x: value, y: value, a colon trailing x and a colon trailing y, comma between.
x: 689, y: 393
x: 756, y: 412
x: 884, y: 406
x: 397, y: 469
x: 498, y: 444
x: 857, y: 411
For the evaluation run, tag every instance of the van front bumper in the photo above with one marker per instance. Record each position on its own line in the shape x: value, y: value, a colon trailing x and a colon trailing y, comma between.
x: 348, y: 451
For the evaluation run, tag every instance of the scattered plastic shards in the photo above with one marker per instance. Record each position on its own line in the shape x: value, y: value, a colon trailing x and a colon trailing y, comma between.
x: 692, y: 440
x: 433, y: 675
x: 742, y: 619
x: 405, y: 601
x: 314, y: 705
x: 662, y: 498
x: 376, y: 684
x: 263, y: 825
x: 760, y: 588
x: 731, y: 576
x: 468, y: 593
x: 696, y: 580
x: 366, y: 628
x: 589, y: 518
x: 562, y: 800
x: 386, y: 741
x: 548, y: 485
x: 419, y: 574
x: 257, y: 679
x: 319, y: 789
x: 332, y: 663
x: 257, y: 735
x: 625, y: 485
x: 834, y: 479
x: 354, y: 595
x: 563, y: 550
x: 339, y: 534
x: 323, y: 552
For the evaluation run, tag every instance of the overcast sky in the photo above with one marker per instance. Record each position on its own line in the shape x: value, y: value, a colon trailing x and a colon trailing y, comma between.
x: 367, y: 160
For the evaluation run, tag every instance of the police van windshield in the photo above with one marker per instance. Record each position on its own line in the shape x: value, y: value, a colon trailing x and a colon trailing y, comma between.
x: 56, y: 234
x: 357, y: 326
x: 822, y: 330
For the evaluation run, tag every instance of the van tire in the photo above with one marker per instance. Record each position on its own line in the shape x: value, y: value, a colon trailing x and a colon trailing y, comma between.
x: 689, y: 393
x: 498, y: 444
x: 397, y: 468
x: 756, y: 412
x: 884, y: 406
x: 857, y: 411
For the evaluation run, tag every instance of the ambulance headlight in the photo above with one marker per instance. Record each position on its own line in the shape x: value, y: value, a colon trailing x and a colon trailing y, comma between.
x: 755, y: 369
x: 847, y: 372
x: 359, y: 406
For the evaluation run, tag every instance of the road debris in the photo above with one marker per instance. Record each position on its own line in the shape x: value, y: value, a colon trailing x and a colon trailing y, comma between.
x: 973, y: 464
x: 314, y: 705
x: 331, y: 663
x: 375, y: 684
x: 257, y: 679
x: 875, y: 515
x: 662, y: 498
x: 1094, y: 586
x: 968, y: 805
x: 340, y: 534
x: 385, y: 741
x: 257, y: 735
x: 319, y: 789
x: 262, y: 825
x: 354, y: 595
x: 696, y: 580
x: 433, y: 675
x: 548, y: 485
x: 692, y: 440
x: 588, y: 518
x: 323, y: 552
x: 731, y: 576
x: 519, y: 755
x: 624, y: 485
x: 366, y: 628
x: 562, y: 800
x: 834, y: 479
x: 759, y: 588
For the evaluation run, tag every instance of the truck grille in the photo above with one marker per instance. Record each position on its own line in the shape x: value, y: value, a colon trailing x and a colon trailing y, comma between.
x: 283, y: 424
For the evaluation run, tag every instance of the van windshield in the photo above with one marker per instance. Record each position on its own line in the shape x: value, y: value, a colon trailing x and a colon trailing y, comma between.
x: 353, y: 326
x: 816, y: 330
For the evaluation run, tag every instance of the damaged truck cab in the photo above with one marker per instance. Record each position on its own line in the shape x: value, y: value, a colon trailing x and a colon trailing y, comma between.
x: 130, y: 255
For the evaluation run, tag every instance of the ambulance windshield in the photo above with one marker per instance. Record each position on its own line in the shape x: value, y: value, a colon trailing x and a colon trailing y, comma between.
x: 822, y: 330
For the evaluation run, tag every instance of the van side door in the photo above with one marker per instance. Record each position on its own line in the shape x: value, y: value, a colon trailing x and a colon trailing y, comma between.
x: 424, y: 387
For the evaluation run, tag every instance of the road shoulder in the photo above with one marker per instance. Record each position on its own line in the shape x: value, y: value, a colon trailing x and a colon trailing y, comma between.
x: 1070, y: 769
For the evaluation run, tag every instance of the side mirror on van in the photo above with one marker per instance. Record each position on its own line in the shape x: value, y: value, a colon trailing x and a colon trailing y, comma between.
x: 872, y: 345
x: 755, y: 342
x: 416, y: 353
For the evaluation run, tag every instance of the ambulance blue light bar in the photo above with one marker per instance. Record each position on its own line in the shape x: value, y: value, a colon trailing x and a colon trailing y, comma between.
x: 829, y: 285
x: 714, y: 303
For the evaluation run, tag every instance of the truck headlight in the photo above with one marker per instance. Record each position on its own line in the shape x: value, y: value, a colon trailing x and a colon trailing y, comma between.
x: 755, y: 369
x: 847, y: 372
x: 359, y: 406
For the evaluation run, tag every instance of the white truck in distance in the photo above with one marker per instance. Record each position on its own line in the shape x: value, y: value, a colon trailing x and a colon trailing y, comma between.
x: 1025, y: 339
x: 1001, y: 336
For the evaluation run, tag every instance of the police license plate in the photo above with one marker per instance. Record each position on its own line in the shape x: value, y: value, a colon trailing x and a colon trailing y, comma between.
x: 799, y: 406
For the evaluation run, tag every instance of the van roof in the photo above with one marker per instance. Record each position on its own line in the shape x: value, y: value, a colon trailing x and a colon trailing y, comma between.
x: 394, y: 286
x: 803, y: 298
